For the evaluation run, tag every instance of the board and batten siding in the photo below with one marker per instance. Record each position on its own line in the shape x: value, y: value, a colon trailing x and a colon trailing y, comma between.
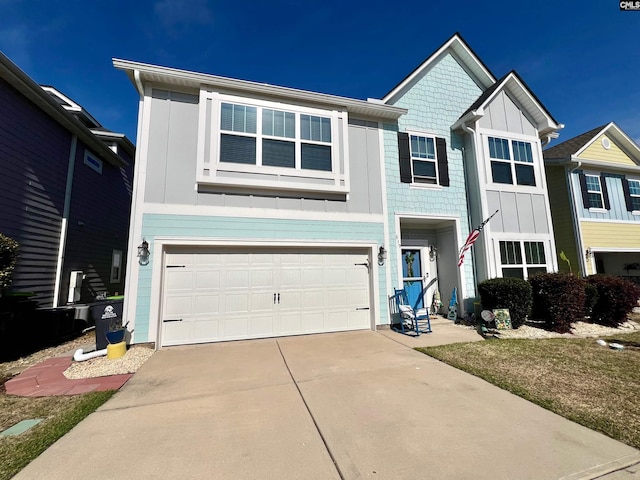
x: 518, y: 212
x: 172, y: 160
x: 614, y: 154
x: 563, y: 226
x: 618, y: 207
x: 504, y: 115
x: 34, y: 154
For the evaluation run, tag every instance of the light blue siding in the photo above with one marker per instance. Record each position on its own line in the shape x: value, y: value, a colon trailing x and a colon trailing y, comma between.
x: 617, y: 203
x: 189, y: 226
x: 434, y: 103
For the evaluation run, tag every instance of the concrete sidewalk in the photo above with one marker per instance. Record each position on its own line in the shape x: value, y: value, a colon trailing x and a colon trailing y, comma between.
x: 349, y: 405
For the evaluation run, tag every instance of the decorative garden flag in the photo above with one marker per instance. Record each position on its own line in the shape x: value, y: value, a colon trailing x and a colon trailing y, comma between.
x: 471, y: 239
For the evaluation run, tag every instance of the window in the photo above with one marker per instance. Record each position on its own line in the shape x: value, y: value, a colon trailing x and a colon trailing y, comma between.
x: 116, y: 266
x: 512, y: 255
x: 634, y: 195
x: 423, y: 159
x: 594, y: 191
x: 511, y: 159
x: 93, y: 162
x: 268, y: 137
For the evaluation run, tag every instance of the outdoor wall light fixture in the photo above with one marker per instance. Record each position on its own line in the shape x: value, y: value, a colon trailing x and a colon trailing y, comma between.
x: 588, y: 253
x: 382, y: 254
x: 143, y: 252
x: 433, y: 252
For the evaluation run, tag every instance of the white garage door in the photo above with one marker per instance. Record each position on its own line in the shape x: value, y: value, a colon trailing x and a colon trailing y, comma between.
x: 228, y: 294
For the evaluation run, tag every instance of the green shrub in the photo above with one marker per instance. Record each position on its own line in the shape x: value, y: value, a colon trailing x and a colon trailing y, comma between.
x: 511, y: 293
x: 558, y: 300
x: 616, y: 299
x: 8, y: 259
x: 590, y: 298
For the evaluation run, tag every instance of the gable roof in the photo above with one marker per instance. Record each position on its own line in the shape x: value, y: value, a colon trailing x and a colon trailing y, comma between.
x: 465, y: 55
x: 569, y: 150
x: 516, y: 86
x: 140, y: 73
x: 571, y: 146
x: 25, y: 85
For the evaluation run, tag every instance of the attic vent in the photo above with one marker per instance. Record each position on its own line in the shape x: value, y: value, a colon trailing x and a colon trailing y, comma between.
x: 606, y: 143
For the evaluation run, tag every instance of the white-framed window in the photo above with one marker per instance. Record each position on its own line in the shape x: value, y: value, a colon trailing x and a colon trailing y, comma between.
x: 511, y: 162
x: 594, y: 191
x: 251, y: 142
x: 116, y: 266
x: 424, y: 168
x: 522, y: 259
x: 92, y: 161
x: 634, y: 194
x: 255, y: 135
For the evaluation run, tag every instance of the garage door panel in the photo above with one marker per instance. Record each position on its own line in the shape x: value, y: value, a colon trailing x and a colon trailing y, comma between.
x: 228, y: 294
x: 207, y: 280
x: 179, y: 280
x: 178, y: 306
x: 207, y: 305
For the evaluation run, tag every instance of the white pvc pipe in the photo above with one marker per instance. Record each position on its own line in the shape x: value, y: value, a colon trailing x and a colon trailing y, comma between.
x: 81, y: 357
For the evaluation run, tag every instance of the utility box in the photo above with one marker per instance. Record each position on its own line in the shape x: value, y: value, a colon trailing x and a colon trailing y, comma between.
x: 75, y: 285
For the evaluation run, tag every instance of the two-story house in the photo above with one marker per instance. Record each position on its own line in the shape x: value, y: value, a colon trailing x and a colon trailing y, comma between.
x: 65, y: 193
x: 469, y: 145
x: 271, y: 211
x: 262, y: 208
x: 594, y: 188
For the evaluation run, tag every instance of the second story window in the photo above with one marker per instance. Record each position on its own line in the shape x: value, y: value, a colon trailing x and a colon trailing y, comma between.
x: 274, y: 138
x: 423, y: 159
x: 632, y: 194
x: 511, y: 160
x: 594, y: 191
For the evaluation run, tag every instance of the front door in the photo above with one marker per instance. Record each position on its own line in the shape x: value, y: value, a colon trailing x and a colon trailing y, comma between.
x: 414, y: 275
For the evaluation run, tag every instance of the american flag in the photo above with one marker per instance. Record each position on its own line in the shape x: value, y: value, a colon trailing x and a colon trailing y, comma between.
x: 471, y: 239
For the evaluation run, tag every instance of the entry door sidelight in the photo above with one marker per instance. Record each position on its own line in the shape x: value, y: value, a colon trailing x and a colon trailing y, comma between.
x: 413, y: 276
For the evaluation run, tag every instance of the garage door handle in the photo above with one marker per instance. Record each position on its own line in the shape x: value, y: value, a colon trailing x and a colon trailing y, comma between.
x: 176, y: 266
x: 173, y: 320
x: 363, y: 308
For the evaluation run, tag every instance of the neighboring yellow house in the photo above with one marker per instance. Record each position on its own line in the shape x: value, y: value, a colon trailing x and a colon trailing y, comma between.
x: 594, y: 191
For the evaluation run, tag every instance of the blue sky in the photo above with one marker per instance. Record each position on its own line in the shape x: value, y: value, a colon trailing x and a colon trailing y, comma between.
x: 580, y: 58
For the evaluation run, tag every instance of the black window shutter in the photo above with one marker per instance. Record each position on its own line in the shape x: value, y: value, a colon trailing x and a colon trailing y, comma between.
x: 443, y: 164
x: 405, y: 157
x: 627, y: 194
x: 583, y: 187
x: 605, y: 192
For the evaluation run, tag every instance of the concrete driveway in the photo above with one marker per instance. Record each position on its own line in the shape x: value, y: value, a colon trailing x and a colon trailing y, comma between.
x: 348, y: 405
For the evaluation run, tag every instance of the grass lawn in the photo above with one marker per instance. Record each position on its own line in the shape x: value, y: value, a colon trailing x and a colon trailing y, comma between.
x: 60, y: 415
x: 576, y: 378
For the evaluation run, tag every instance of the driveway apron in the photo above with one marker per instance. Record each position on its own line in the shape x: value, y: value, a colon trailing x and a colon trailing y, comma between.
x: 349, y: 405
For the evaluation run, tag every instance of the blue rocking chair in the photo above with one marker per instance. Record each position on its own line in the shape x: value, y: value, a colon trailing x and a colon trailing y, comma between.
x: 413, y: 320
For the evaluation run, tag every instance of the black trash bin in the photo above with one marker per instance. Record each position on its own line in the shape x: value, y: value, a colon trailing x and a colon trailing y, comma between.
x: 107, y: 316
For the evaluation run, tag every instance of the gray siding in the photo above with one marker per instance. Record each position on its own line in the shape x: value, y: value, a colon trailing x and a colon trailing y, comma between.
x: 518, y: 212
x: 34, y: 153
x: 172, y: 164
x: 98, y: 224
x: 503, y: 114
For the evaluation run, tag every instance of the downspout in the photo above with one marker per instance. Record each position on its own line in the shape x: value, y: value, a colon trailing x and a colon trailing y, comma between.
x: 576, y: 220
x: 474, y: 145
x: 65, y: 218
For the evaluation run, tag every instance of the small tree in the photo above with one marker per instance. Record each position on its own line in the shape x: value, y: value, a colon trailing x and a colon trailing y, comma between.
x: 558, y: 300
x: 8, y: 259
